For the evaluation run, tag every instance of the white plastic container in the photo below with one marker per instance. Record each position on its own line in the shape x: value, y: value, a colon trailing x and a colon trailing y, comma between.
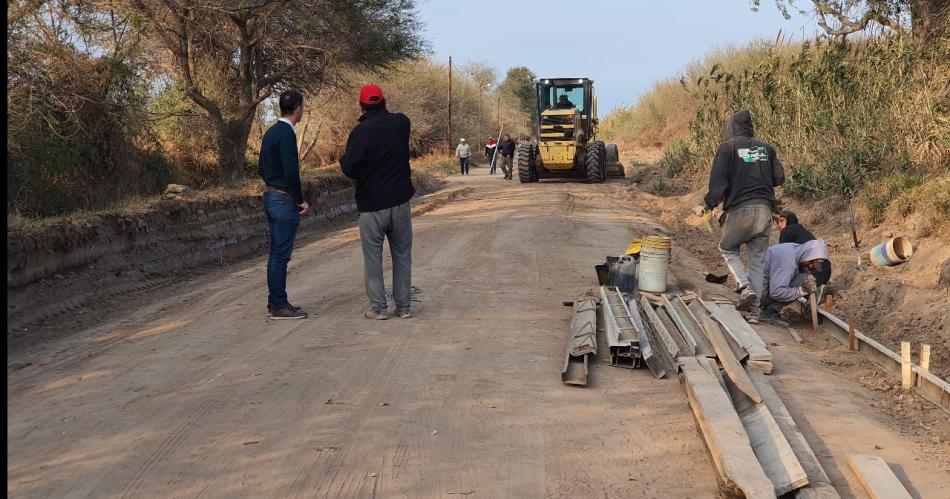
x: 654, y: 264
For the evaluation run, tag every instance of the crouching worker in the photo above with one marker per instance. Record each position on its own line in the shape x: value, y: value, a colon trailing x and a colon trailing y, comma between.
x: 791, y: 272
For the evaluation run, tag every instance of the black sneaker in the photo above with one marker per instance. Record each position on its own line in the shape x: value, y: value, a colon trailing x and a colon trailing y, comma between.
x: 767, y: 317
x: 287, y: 313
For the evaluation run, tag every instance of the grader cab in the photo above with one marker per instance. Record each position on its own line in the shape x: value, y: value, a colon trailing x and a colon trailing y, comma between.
x: 566, y: 144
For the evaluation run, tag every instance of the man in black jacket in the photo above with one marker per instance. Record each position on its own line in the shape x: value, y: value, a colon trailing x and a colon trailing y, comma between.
x: 283, y: 201
x: 507, y: 150
x: 377, y: 158
x: 744, y: 175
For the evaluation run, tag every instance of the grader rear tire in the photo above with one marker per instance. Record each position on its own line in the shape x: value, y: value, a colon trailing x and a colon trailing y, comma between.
x: 603, y: 159
x: 527, y: 169
x: 613, y: 153
x: 594, y: 162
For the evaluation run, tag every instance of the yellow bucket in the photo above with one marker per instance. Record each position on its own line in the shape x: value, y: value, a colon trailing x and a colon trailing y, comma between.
x: 657, y: 242
x: 634, y: 248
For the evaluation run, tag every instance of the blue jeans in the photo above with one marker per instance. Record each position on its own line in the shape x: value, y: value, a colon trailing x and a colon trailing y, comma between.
x: 463, y: 162
x: 283, y: 217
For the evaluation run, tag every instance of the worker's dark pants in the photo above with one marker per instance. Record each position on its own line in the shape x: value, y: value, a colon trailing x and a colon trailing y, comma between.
x: 394, y: 224
x: 283, y: 218
x: 775, y: 307
x: 491, y: 160
x: 463, y: 162
x: 747, y: 224
x: 506, y: 166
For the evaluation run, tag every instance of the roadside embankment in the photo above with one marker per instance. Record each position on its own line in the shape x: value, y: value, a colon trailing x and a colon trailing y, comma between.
x: 58, y: 265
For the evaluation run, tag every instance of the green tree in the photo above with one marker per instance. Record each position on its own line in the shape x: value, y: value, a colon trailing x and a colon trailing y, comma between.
x: 230, y: 56
x: 519, y: 83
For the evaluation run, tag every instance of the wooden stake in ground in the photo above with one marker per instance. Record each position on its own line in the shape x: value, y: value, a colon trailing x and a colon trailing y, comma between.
x: 813, y: 303
x: 876, y: 477
x: 906, y: 374
x: 829, y: 302
x: 925, y: 357
x: 852, y: 340
x: 735, y: 371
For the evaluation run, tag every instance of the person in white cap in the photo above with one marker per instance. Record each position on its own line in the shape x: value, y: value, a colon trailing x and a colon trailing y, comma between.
x: 463, y: 152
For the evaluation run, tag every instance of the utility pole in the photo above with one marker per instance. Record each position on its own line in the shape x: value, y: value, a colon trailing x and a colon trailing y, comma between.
x: 450, y: 103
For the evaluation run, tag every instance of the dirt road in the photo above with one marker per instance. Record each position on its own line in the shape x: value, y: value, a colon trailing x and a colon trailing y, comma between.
x: 196, y: 394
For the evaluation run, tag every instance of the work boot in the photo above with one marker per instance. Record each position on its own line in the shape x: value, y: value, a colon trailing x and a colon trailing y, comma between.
x: 753, y: 316
x: 287, y: 313
x: 376, y: 314
x: 404, y: 313
x: 767, y: 317
x: 746, y: 299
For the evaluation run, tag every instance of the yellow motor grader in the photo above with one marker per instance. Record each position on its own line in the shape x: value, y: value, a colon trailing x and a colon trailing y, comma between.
x: 566, y: 144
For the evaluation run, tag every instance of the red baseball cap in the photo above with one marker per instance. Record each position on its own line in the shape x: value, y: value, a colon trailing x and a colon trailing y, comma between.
x: 371, y: 94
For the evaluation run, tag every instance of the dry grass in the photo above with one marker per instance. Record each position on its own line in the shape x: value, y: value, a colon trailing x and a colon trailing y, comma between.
x: 868, y: 118
x: 427, y: 172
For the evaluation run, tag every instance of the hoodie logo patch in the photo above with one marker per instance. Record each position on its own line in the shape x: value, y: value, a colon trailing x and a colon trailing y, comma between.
x: 753, y: 155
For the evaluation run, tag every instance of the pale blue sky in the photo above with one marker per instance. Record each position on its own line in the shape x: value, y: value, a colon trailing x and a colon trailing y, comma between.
x: 632, y: 43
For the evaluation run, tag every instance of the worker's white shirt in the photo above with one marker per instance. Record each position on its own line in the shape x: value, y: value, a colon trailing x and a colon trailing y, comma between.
x: 285, y: 120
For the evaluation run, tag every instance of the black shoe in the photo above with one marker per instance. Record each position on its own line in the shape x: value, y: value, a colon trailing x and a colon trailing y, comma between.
x: 767, y: 317
x: 271, y: 309
x: 289, y: 312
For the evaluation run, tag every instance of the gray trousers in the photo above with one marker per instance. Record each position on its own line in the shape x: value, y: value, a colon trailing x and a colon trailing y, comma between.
x: 775, y: 307
x: 747, y: 224
x: 394, y: 224
x: 506, y: 165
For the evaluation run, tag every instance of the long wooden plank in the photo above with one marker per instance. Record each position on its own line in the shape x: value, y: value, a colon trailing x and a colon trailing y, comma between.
x: 876, y: 477
x: 733, y: 369
x: 771, y: 448
x: 740, y: 330
x: 739, y: 470
x: 699, y: 311
x: 819, y: 486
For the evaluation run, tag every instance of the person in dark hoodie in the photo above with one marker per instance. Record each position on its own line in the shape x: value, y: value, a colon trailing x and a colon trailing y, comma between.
x: 790, y: 231
x: 377, y: 158
x: 743, y: 177
x: 791, y: 272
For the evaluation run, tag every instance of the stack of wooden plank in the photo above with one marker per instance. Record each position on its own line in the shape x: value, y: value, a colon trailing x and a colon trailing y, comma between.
x: 753, y: 442
x: 742, y: 338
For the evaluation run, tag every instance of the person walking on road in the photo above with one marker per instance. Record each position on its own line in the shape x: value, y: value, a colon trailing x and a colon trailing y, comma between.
x: 744, y: 175
x: 284, y: 205
x: 490, y: 147
x: 377, y: 158
x: 464, y: 153
x: 507, y: 150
